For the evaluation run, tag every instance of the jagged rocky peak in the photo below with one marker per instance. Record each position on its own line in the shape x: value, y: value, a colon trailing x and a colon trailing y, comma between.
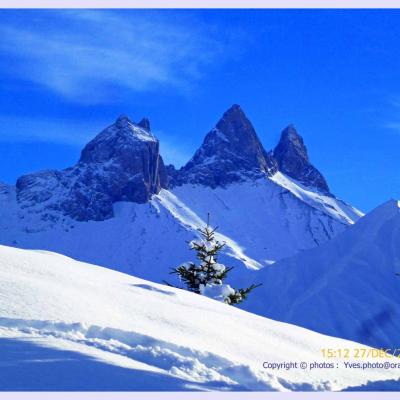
x: 145, y: 124
x: 292, y: 158
x: 122, y: 121
x: 122, y: 136
x: 122, y: 163
x: 231, y: 152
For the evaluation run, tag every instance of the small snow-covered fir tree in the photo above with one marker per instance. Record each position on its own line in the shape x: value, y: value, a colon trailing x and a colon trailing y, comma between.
x: 208, y: 277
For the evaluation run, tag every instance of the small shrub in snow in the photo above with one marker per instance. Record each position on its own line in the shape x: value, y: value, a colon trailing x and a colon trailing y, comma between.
x: 207, y: 277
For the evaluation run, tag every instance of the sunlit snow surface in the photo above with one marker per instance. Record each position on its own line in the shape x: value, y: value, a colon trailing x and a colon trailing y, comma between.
x: 347, y: 287
x: 261, y: 221
x: 66, y: 325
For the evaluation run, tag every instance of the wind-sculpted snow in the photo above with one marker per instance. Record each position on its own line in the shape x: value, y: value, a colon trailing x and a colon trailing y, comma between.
x: 348, y: 287
x: 63, y: 310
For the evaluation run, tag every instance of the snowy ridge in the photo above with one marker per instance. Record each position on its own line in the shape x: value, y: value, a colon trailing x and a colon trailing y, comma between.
x: 152, y: 329
x: 328, y: 204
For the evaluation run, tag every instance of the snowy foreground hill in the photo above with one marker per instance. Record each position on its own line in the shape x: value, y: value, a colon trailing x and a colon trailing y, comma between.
x: 348, y: 287
x: 67, y: 325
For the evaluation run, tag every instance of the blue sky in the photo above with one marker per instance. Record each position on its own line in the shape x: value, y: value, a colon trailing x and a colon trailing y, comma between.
x: 65, y: 75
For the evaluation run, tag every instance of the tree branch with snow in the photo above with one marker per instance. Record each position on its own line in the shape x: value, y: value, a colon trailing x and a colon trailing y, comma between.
x: 207, y: 277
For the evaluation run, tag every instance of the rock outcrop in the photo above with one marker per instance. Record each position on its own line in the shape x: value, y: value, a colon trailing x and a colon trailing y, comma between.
x: 231, y: 152
x: 122, y: 163
x: 292, y: 158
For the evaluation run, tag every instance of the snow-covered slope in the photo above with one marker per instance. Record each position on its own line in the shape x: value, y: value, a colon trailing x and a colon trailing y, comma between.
x: 348, y: 287
x: 261, y: 221
x: 267, y: 220
x: 69, y: 325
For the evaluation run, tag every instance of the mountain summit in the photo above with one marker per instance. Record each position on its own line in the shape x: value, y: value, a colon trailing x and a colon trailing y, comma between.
x: 122, y: 163
x: 292, y: 158
x: 117, y: 141
x: 230, y: 153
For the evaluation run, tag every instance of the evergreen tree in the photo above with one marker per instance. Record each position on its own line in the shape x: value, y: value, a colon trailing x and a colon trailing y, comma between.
x: 208, y: 276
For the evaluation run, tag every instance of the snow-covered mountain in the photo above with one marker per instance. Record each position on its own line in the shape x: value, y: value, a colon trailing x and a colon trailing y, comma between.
x: 66, y: 325
x: 348, y: 287
x: 121, y: 208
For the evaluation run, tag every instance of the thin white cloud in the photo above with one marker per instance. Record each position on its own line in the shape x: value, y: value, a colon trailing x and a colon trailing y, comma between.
x: 27, y: 129
x: 87, y: 56
x: 393, y: 125
x: 394, y: 122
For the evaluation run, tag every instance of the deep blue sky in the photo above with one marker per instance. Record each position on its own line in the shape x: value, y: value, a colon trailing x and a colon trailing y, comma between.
x: 64, y: 75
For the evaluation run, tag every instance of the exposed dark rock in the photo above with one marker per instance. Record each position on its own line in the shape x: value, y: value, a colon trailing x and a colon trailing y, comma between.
x: 172, y: 174
x: 4, y: 188
x: 292, y: 158
x: 145, y: 124
x: 122, y: 163
x: 231, y: 152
